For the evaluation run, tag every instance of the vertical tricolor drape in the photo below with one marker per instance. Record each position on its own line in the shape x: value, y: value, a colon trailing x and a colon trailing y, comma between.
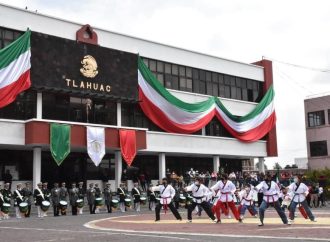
x: 128, y: 145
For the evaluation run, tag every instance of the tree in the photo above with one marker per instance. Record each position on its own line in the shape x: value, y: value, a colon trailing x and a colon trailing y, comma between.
x: 277, y: 166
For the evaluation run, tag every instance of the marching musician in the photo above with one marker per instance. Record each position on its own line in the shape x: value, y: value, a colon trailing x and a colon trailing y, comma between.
x: 47, y: 194
x: 246, y: 197
x: 200, y: 194
x: 55, y: 194
x: 136, y: 195
x: 152, y: 198
x: 63, y: 196
x: 39, y: 197
x: 81, y: 195
x: 271, y: 194
x: 28, y: 194
x: 107, y: 197
x: 7, y: 196
x: 2, y: 201
x: 91, y: 198
x: 300, y: 192
x: 167, y: 193
x: 74, y: 196
x: 226, y: 190
x: 121, y: 192
x: 98, y: 194
x: 18, y: 198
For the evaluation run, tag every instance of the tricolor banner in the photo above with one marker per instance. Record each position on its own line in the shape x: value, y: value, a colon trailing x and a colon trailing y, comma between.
x: 96, y: 144
x: 15, y: 69
x: 176, y: 116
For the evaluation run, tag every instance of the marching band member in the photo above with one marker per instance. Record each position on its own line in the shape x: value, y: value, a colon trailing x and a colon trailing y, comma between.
x: 271, y: 194
x: 136, y: 195
x: 47, y: 194
x: 55, y: 194
x: 18, y: 198
x: 63, y: 196
x: 167, y: 193
x: 7, y: 197
x: 2, y: 201
x: 27, y: 192
x: 39, y: 197
x: 122, y: 195
x: 107, y: 197
x: 98, y: 194
x: 200, y: 195
x: 73, y: 197
x: 247, y: 202
x: 91, y: 198
x: 81, y: 195
x: 152, y: 199
x: 286, y: 199
x: 300, y: 191
x: 226, y: 190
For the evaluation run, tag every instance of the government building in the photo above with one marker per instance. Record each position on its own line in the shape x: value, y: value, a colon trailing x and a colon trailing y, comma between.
x: 63, y: 92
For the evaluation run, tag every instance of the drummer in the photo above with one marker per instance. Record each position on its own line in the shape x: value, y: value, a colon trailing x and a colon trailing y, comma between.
x: 107, y: 197
x: 73, y: 195
x: 91, y: 198
x: 2, y: 201
x: 7, y: 196
x: 55, y: 194
x: 136, y: 195
x: 28, y: 194
x: 98, y: 194
x: 81, y: 195
x: 47, y: 194
x: 39, y: 197
x: 152, y: 198
x: 121, y: 192
x: 18, y: 199
x: 63, y: 196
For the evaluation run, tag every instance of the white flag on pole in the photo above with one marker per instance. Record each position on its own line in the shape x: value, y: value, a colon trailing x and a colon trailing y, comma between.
x: 96, y: 144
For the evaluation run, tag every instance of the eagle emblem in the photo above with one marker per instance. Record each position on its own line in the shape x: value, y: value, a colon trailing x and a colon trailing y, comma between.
x: 89, y: 66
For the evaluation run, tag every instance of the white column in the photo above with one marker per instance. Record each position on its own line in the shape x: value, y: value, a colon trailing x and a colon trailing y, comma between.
x: 216, y: 163
x: 39, y: 105
x: 261, y: 164
x: 36, y: 166
x: 162, y: 165
x: 118, y: 168
x: 203, y: 131
x: 118, y: 114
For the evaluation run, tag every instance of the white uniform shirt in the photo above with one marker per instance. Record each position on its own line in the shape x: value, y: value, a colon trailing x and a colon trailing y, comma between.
x: 166, y: 193
x: 299, y: 195
x: 271, y: 193
x: 226, y: 190
x: 246, y: 197
x: 200, y: 193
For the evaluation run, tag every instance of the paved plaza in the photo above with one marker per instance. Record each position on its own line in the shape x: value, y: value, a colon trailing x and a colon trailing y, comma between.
x: 141, y: 227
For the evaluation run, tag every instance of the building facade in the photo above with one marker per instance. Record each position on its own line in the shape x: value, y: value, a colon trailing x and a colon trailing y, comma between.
x: 317, y: 120
x: 60, y: 93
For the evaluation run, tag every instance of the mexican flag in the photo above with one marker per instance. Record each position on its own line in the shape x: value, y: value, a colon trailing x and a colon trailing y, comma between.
x: 176, y: 116
x: 15, y: 69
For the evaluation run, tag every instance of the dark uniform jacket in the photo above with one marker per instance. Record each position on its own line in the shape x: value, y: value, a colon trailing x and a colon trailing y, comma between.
x: 55, y: 194
x: 73, y: 194
x: 28, y: 194
x: 107, y: 196
x: 151, y: 196
x: 38, y: 196
x: 18, y: 196
x: 6, y: 195
x: 63, y: 193
x: 47, y: 194
x: 121, y: 192
x: 136, y: 194
x: 91, y: 196
x: 81, y: 193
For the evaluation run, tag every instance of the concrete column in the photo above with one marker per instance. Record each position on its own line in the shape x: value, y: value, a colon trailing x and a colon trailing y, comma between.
x: 203, y: 131
x: 118, y: 168
x: 118, y: 114
x: 39, y: 105
x: 216, y: 163
x: 36, y: 166
x: 261, y: 164
x: 162, y: 165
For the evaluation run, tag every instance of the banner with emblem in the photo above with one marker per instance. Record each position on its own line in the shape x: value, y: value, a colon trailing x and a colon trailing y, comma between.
x: 96, y: 144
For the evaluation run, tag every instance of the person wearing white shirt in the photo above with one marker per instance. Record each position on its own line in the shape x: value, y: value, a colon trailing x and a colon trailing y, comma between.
x: 226, y: 190
x: 246, y: 197
x: 300, y: 191
x: 271, y: 194
x: 167, y: 194
x: 200, y: 195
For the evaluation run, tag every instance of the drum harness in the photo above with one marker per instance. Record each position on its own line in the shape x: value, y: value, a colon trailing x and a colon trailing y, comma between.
x: 40, y: 193
x: 19, y: 195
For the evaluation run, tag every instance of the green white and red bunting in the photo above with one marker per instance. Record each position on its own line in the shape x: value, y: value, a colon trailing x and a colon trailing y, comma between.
x: 173, y: 115
x: 15, y: 69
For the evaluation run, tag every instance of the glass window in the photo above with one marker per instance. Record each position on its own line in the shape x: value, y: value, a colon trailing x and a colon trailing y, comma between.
x: 215, y: 77
x: 189, y: 72
x: 167, y: 68
x: 182, y: 71
x: 160, y: 66
x: 183, y: 83
x: 195, y: 74
x: 238, y: 93
x: 202, y: 75
x: 160, y: 78
x: 316, y: 118
x: 249, y: 84
x: 208, y: 76
x: 318, y: 148
x: 209, y: 87
x: 202, y: 87
x: 196, y: 85
x: 227, y: 80
x: 222, y: 91
x: 146, y: 62
x: 238, y: 82
x: 227, y: 91
x: 152, y: 65
x: 232, y: 81
x: 245, y: 95
x: 233, y: 92
x: 175, y: 82
x: 243, y: 83
x: 175, y: 70
x: 168, y: 82
x: 189, y: 85
x: 215, y: 89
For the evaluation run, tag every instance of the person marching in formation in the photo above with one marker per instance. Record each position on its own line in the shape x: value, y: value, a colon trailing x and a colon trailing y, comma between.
x: 81, y: 195
x: 73, y: 197
x: 91, y: 198
x: 271, y: 192
x: 107, y: 197
x: 136, y: 195
x: 200, y: 194
x: 2, y: 201
x: 18, y: 199
x: 47, y: 194
x: 121, y: 192
x: 299, y: 191
x: 246, y: 197
x: 55, y: 193
x: 226, y: 190
x: 167, y: 193
x: 152, y: 199
x: 63, y: 197
x: 39, y: 197
x: 28, y: 194
x: 98, y: 194
x: 7, y: 197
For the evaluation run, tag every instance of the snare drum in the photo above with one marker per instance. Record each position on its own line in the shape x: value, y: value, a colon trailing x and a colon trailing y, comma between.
x: 80, y: 203
x: 143, y: 200
x: 45, y: 206
x: 189, y: 200
x: 63, y: 205
x: 182, y: 201
x: 23, y: 207
x: 98, y: 202
x: 128, y: 202
x: 114, y: 203
x: 5, y: 208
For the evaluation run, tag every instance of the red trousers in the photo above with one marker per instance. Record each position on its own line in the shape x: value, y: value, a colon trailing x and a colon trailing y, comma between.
x: 222, y: 205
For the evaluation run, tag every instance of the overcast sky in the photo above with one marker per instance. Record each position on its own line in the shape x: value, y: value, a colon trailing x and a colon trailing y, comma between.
x: 295, y: 31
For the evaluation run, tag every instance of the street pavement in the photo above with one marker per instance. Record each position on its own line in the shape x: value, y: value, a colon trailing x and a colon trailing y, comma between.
x: 141, y: 227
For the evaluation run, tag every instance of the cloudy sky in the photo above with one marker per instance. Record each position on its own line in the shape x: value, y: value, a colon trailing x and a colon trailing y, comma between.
x: 295, y: 32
